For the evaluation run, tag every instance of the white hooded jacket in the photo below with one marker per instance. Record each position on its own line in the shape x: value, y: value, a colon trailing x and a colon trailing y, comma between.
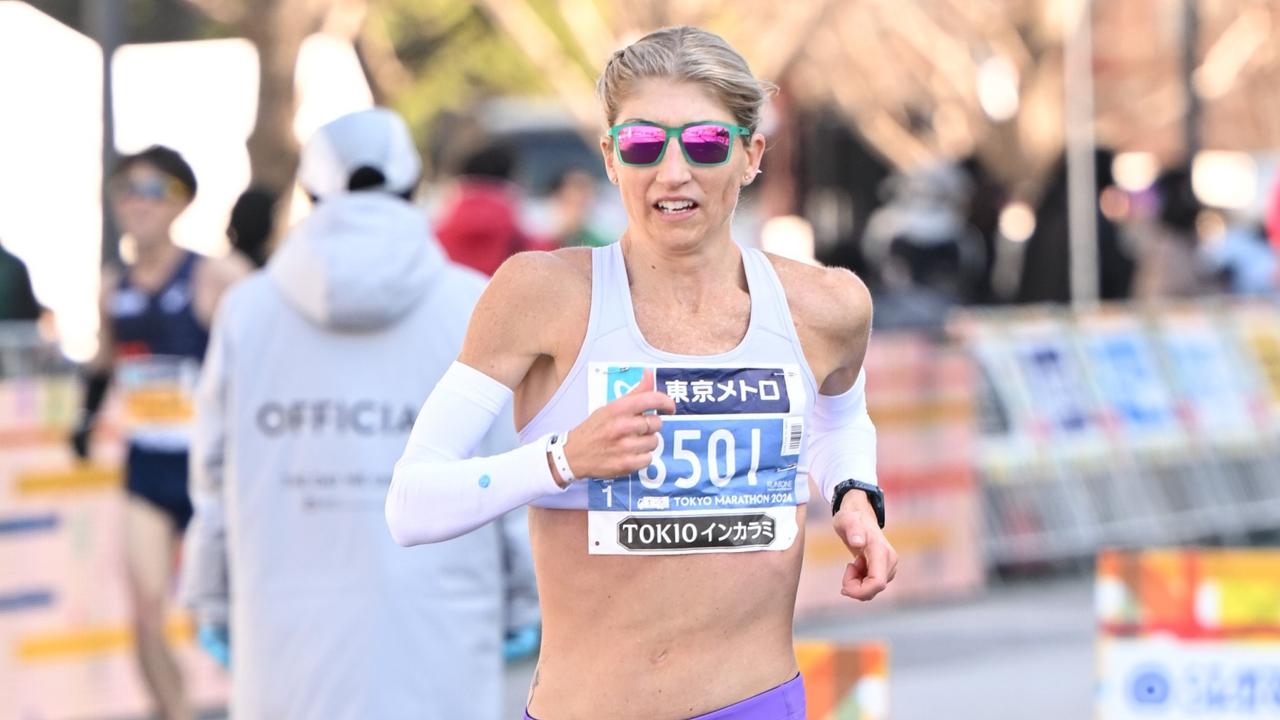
x: 315, y: 372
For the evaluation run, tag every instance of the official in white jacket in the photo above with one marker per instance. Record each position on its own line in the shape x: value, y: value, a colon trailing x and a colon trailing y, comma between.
x: 314, y: 375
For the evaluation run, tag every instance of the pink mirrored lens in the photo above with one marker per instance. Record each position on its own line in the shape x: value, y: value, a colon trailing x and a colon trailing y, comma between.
x: 641, y: 144
x: 706, y: 144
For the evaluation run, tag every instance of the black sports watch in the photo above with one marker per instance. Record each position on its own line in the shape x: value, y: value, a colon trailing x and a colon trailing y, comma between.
x: 874, y: 494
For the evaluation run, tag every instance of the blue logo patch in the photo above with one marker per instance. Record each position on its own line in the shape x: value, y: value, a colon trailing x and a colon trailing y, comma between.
x: 622, y: 380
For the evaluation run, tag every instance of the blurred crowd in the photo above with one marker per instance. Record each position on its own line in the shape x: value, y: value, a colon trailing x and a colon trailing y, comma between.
x: 940, y: 236
x: 950, y: 235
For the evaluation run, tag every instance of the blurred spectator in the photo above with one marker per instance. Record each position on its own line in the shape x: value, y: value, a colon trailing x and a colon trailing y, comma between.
x: 154, y: 329
x: 479, y: 226
x: 1169, y: 263
x: 1046, y: 266
x: 573, y: 197
x: 927, y: 255
x: 1243, y: 260
x: 986, y: 198
x: 252, y: 224
x: 316, y: 368
x: 17, y: 299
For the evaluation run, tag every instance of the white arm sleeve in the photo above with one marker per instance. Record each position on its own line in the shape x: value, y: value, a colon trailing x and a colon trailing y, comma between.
x: 842, y: 443
x: 438, y: 491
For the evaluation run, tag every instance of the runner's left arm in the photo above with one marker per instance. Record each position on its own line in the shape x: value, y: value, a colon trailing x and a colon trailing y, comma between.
x: 842, y: 450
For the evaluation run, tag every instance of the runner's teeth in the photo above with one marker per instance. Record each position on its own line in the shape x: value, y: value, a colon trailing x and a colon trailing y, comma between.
x: 674, y: 205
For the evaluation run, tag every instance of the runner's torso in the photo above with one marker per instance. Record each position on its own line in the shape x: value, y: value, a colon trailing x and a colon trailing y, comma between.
x: 159, y: 344
x: 706, y: 621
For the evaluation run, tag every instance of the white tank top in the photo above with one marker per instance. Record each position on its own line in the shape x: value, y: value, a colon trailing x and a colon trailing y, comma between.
x: 751, y: 374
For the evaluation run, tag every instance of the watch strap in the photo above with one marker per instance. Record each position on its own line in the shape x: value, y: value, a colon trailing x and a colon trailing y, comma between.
x: 874, y: 494
x: 556, y: 448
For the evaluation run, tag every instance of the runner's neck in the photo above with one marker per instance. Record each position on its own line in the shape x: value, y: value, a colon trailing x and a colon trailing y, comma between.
x: 691, y: 278
x: 154, y: 264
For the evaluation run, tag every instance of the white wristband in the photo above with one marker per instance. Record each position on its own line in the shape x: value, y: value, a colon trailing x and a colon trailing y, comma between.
x: 555, y: 446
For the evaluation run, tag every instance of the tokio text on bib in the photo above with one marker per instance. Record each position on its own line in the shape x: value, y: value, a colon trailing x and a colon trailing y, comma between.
x: 723, y: 478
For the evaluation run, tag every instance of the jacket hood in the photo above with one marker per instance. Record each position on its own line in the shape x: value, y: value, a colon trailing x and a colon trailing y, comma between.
x: 358, y: 262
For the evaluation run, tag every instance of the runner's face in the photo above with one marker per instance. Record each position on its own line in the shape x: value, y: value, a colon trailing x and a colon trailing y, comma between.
x: 712, y: 190
x: 146, y: 201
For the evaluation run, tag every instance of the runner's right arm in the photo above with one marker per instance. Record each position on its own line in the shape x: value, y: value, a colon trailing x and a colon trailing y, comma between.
x: 96, y: 372
x: 438, y: 491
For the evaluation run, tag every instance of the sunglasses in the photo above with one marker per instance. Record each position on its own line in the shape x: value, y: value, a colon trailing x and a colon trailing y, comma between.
x: 705, y: 144
x: 151, y: 189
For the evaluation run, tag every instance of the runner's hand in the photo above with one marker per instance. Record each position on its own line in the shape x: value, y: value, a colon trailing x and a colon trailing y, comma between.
x: 875, y: 562
x: 79, y: 441
x: 619, y: 438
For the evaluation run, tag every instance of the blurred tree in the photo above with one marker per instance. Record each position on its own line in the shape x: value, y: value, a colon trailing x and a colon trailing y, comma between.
x: 276, y: 28
x: 910, y: 75
x: 426, y: 58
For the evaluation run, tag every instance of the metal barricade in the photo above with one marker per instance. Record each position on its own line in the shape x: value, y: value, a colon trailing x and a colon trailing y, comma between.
x: 1120, y: 428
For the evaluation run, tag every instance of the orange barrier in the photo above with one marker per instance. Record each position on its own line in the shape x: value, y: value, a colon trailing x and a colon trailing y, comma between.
x: 845, y: 682
x: 1188, y: 634
x: 66, y: 647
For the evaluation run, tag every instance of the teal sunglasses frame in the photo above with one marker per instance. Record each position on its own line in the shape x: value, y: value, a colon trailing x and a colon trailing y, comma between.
x: 734, y: 132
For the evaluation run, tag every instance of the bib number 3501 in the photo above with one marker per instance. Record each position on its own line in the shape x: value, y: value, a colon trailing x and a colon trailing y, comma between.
x: 723, y: 476
x: 720, y: 447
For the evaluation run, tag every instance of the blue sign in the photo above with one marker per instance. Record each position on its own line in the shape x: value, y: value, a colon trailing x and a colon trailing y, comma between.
x: 1149, y: 687
x: 1127, y: 377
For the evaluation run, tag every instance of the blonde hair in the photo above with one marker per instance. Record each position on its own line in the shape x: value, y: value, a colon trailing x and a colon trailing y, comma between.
x: 685, y: 54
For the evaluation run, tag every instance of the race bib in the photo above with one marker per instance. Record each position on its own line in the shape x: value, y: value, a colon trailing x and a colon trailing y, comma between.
x: 157, y: 397
x: 723, y: 477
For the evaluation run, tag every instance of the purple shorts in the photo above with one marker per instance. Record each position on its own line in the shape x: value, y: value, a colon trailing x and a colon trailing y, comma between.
x: 785, y: 702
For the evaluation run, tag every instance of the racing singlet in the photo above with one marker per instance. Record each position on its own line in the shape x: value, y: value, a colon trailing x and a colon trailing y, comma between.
x: 159, y: 347
x: 729, y: 471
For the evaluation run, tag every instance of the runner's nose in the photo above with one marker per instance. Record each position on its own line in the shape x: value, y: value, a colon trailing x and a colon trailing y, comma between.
x: 674, y: 170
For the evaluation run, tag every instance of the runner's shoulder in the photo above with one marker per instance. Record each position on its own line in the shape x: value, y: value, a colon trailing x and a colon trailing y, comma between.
x: 215, y: 274
x: 832, y: 301
x: 531, y: 303
x: 558, y: 278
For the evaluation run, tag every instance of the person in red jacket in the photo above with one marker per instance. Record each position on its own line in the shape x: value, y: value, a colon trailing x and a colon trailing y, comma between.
x: 480, y: 225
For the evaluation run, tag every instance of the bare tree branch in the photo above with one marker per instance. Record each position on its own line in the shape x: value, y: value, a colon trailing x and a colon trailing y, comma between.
x: 589, y: 29
x: 227, y: 12
x: 831, y: 48
x: 387, y: 75
x: 345, y: 18
x: 277, y: 30
x: 780, y: 38
x: 948, y: 57
x: 531, y: 34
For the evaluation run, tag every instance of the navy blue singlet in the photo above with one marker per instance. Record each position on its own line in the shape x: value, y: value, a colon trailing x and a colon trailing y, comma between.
x: 150, y: 325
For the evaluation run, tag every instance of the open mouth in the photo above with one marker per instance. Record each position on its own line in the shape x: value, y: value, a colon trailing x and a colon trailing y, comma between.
x: 675, y: 207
